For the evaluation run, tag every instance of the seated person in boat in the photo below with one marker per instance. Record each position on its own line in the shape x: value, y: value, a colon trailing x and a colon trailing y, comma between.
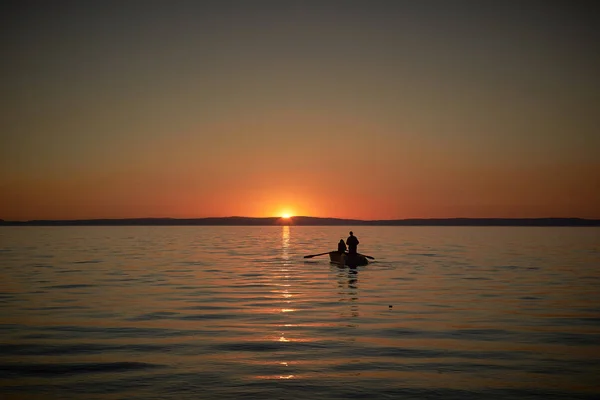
x: 341, y: 246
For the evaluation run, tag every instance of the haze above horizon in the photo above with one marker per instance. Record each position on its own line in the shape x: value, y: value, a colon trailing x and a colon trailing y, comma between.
x: 358, y: 110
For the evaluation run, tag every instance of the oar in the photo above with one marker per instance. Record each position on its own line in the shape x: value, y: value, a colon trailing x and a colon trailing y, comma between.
x: 314, y: 255
x: 369, y: 257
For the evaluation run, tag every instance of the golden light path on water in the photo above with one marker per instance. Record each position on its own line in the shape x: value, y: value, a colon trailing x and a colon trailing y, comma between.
x: 285, y: 293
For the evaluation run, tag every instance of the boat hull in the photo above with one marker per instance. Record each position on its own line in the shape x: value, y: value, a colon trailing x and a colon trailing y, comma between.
x: 349, y: 260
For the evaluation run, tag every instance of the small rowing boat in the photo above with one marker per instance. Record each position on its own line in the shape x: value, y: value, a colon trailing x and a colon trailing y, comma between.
x: 355, y: 260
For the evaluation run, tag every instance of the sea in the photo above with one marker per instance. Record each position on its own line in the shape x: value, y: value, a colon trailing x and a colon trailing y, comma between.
x: 222, y: 312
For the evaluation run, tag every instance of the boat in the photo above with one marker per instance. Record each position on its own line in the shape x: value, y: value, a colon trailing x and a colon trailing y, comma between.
x: 357, y: 260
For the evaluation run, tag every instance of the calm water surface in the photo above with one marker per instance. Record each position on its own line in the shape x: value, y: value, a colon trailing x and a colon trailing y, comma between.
x: 237, y: 312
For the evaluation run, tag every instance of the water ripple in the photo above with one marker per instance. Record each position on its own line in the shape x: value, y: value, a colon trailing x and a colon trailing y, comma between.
x: 11, y: 371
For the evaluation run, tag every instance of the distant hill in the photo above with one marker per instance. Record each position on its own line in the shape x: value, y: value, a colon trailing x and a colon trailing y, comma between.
x: 309, y: 221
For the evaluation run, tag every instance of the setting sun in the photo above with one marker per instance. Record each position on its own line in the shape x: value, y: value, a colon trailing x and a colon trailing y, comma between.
x: 285, y: 213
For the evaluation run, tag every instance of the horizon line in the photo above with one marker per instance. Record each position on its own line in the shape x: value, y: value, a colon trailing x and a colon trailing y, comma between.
x: 310, y: 221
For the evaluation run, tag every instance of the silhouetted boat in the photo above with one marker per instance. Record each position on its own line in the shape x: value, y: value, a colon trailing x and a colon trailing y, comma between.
x: 349, y: 260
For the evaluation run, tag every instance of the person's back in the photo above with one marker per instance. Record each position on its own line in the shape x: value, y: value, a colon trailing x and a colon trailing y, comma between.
x: 352, y: 243
x: 341, y: 246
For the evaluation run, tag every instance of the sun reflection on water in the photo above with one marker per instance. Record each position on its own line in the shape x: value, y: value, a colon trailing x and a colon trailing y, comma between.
x: 285, y: 245
x: 283, y: 339
x: 286, y: 296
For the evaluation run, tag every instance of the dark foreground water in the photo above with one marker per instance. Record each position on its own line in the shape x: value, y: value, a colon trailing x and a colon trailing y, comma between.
x: 237, y: 313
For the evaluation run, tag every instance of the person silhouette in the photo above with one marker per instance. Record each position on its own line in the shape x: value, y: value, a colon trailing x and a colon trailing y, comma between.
x: 341, y: 246
x: 352, y: 243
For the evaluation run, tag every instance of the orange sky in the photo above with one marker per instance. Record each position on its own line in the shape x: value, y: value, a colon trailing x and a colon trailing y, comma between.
x: 371, y: 110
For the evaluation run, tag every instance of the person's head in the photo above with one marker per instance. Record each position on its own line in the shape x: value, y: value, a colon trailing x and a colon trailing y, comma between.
x: 351, y: 233
x: 341, y: 240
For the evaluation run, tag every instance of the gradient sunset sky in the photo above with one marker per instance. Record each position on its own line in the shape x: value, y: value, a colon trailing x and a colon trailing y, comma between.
x: 350, y: 109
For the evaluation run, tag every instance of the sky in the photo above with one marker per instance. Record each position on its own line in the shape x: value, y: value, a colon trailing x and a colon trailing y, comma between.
x: 349, y: 109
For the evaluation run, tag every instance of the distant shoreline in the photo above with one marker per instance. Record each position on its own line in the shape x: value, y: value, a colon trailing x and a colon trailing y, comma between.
x: 310, y: 221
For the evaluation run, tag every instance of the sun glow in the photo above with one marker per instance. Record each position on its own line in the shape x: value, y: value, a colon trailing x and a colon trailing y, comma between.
x: 286, y: 216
